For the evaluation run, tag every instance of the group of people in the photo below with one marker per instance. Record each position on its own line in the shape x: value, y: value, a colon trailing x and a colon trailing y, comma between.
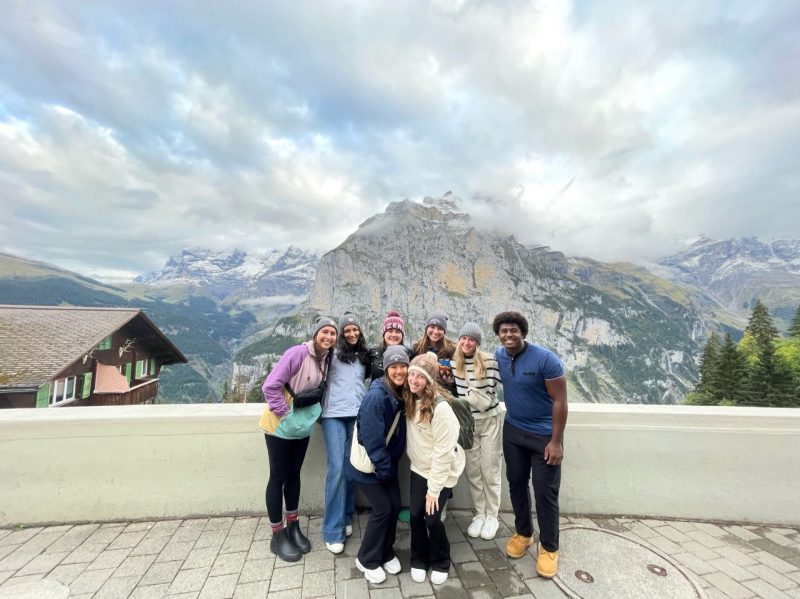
x: 408, y: 408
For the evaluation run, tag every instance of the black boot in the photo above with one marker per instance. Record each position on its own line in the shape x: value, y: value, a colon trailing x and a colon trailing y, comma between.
x: 282, y: 546
x: 298, y: 538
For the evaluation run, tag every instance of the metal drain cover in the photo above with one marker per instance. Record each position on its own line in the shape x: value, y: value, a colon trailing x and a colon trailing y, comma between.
x: 597, y: 563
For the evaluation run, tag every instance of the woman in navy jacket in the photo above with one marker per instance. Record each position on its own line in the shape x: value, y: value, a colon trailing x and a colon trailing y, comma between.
x: 382, y: 403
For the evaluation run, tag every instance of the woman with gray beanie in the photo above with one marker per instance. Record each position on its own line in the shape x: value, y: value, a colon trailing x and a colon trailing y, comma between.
x: 381, y: 430
x: 343, y: 397
x: 294, y: 390
x: 476, y: 376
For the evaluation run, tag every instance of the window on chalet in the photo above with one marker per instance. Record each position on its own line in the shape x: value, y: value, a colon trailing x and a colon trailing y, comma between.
x: 105, y: 343
x: 63, y: 390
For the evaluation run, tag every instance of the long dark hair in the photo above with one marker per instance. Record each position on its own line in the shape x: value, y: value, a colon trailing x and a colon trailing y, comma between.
x: 350, y: 353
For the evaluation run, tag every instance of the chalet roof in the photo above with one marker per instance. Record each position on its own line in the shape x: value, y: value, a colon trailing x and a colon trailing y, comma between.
x: 38, y: 342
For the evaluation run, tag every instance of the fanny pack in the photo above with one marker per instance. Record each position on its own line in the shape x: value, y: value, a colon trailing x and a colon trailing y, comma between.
x: 309, y: 397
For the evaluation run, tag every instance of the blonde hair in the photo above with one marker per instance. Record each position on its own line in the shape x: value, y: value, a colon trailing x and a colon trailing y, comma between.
x: 426, y: 402
x: 460, y: 364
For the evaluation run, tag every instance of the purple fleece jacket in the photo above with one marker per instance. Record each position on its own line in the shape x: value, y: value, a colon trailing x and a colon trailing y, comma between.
x: 299, y: 367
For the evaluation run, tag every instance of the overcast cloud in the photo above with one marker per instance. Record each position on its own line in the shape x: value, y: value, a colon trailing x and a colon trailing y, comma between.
x: 614, y: 130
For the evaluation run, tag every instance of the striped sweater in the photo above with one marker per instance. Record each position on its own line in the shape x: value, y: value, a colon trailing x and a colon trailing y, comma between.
x: 486, y: 387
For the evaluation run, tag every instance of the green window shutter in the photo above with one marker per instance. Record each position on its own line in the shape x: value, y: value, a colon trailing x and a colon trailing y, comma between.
x: 105, y: 343
x: 153, y: 366
x: 87, y: 385
x: 128, y: 372
x: 43, y: 396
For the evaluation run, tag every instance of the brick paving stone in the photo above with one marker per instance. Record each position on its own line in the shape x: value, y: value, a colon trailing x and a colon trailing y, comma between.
x: 139, y: 526
x: 665, y: 545
x: 20, y: 536
x: 17, y: 559
x: 776, y: 579
x: 472, y: 574
x: 695, y: 564
x: 219, y: 524
x: 410, y: 589
x: 779, y: 538
x: 710, y: 529
x: 450, y: 589
x: 765, y: 590
x: 211, y: 538
x: 150, y: 545
x: 507, y: 582
x: 544, y: 589
x: 66, y: 574
x: 164, y: 528
x: 345, y: 569
x: 609, y: 524
x: 774, y: 548
x: 318, y: 584
x: 741, y: 532
x: 5, y: 576
x: 105, y: 535
x: 219, y: 587
x: 773, y: 562
x: 642, y: 530
x: 127, y: 540
x: 90, y: 581
x: 462, y: 552
x: 154, y: 591
x: 317, y: 561
x: 86, y: 552
x: 672, y: 534
x: 134, y: 565
x: 484, y: 593
x: 256, y: 570
x: 352, y: 589
x: 286, y: 578
x: 175, y: 551
x: 376, y: 593
x: 228, y: 563
x: 263, y: 530
x: 234, y: 543
x: 705, y: 539
x: 700, y: 550
x: 794, y: 576
x: 737, y: 557
x: 17, y: 580
x: 727, y: 585
x: 160, y: 572
x: 7, y: 549
x: 245, y: 525
x: 200, y: 558
x: 192, y: 595
x: 525, y: 567
x: 114, y: 588
x: 681, y: 525
x: 187, y: 581
x: 109, y: 559
x: 728, y: 567
x: 492, y: 559
x: 42, y: 563
x: 41, y: 541
x: 251, y: 590
x: 259, y: 550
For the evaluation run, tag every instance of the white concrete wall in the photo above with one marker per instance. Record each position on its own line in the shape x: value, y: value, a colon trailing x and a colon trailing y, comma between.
x: 141, y: 462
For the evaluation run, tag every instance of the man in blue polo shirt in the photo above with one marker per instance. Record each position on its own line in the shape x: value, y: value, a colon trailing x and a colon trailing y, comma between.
x: 535, y: 394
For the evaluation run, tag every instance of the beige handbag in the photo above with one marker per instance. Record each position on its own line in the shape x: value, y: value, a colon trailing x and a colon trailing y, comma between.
x: 359, y: 457
x: 478, y: 399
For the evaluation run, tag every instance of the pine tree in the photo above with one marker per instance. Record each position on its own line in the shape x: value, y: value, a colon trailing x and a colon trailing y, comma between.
x: 794, y: 327
x: 761, y: 326
x: 770, y: 382
x: 707, y: 386
x: 731, y: 377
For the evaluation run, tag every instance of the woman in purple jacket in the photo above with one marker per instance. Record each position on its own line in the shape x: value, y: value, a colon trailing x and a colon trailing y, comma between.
x: 287, y: 427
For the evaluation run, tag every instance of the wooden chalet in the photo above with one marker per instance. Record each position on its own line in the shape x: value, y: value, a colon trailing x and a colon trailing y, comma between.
x: 52, y: 356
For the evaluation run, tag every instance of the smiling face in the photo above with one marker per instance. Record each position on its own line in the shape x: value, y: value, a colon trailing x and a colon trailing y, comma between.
x: 325, y: 338
x: 511, y: 337
x: 397, y: 373
x: 393, y: 337
x: 351, y: 334
x: 416, y: 382
x: 467, y: 345
x: 435, y: 334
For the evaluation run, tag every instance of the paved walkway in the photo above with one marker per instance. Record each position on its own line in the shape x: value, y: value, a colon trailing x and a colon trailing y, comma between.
x: 214, y: 558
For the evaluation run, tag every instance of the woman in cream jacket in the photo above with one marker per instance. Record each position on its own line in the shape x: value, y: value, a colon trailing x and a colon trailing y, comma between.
x: 436, y: 463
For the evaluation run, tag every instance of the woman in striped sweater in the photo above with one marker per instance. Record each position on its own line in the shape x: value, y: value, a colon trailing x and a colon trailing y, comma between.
x: 476, y: 378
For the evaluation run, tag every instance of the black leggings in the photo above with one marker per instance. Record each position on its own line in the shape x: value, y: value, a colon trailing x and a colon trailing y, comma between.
x: 285, y: 460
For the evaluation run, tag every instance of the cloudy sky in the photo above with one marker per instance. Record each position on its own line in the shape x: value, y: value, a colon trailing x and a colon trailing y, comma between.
x: 611, y: 129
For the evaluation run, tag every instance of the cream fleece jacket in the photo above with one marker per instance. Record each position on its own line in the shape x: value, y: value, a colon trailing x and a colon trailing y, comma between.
x: 433, y: 448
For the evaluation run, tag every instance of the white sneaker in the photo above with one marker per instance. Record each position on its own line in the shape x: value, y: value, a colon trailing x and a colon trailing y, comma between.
x: 348, y: 530
x: 392, y: 566
x: 375, y: 575
x: 335, y: 547
x: 438, y: 577
x: 418, y: 574
x: 475, y: 527
x: 490, y: 527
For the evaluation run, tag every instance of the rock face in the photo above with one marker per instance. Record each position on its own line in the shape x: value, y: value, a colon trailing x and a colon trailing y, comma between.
x: 284, y: 273
x: 737, y: 272
x: 625, y: 334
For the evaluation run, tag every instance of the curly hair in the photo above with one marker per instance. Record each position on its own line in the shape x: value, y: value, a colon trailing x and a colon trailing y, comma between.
x: 427, y: 401
x: 510, y: 317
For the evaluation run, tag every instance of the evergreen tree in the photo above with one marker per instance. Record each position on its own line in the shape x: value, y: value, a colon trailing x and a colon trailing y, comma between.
x: 770, y: 382
x: 761, y: 326
x: 731, y: 375
x: 707, y: 386
x: 794, y: 327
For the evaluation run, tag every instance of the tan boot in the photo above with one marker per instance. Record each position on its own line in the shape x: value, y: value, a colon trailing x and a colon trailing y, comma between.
x: 517, y: 545
x: 547, y: 563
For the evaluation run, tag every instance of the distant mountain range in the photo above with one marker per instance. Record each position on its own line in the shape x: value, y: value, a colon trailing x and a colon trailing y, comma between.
x: 626, y: 334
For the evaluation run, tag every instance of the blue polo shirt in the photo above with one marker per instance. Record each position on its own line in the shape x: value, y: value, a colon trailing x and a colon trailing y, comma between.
x: 528, y: 405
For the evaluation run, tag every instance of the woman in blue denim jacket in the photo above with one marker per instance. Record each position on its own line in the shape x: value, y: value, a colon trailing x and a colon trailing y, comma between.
x: 346, y: 389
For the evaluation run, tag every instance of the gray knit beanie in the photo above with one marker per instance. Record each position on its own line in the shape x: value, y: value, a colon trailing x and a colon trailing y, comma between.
x: 348, y: 318
x: 394, y: 354
x: 321, y: 323
x: 437, y: 319
x: 471, y: 329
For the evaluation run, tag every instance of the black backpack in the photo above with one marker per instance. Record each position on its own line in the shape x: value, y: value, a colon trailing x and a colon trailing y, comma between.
x: 466, y: 422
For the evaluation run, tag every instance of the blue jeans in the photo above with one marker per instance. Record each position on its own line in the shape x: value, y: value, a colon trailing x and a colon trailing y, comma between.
x: 339, y: 491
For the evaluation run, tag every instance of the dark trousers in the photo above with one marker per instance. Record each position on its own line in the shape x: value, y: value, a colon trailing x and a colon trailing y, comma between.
x: 377, y: 542
x: 524, y: 454
x: 285, y: 460
x: 429, y: 545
